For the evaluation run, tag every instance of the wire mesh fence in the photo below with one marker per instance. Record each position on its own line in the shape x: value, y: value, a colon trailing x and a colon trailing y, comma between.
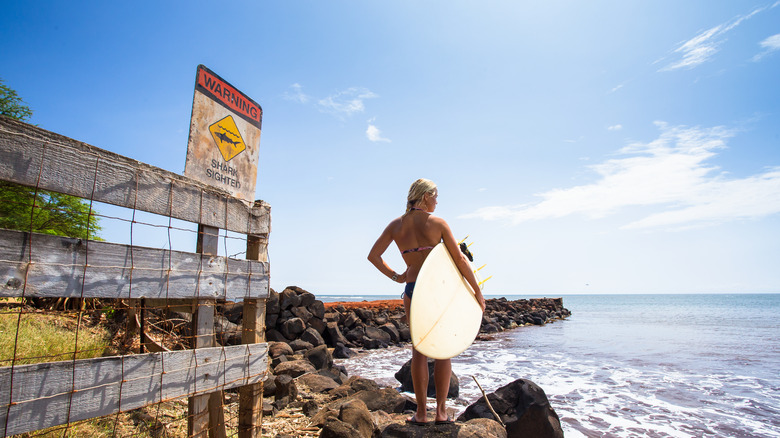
x: 159, y: 333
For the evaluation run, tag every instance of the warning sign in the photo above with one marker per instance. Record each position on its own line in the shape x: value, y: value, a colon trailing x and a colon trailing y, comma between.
x: 214, y: 86
x: 227, y: 137
x: 224, y: 139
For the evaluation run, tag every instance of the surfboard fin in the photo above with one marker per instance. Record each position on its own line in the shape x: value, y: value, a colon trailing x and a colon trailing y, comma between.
x: 483, y: 281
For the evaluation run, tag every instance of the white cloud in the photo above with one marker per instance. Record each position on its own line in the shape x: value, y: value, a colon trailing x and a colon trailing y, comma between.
x: 374, y: 134
x: 617, y: 127
x: 297, y: 94
x: 670, y: 173
x: 769, y: 45
x: 706, y: 44
x: 616, y: 88
x: 347, y: 102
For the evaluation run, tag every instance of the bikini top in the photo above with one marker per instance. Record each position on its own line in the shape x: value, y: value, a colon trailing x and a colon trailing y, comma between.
x: 420, y: 248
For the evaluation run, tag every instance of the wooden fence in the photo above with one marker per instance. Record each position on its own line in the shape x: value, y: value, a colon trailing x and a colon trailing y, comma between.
x: 43, y: 395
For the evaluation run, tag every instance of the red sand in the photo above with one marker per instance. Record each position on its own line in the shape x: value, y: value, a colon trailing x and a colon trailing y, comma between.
x: 376, y: 304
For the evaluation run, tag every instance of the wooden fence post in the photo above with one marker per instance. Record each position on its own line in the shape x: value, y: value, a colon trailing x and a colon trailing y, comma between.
x: 250, y: 401
x: 205, y: 413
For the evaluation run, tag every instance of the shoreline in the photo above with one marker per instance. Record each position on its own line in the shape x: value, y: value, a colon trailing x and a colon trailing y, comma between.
x: 308, y: 338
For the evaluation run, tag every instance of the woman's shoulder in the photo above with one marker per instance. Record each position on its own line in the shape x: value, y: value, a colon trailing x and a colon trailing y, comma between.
x: 395, y: 223
x: 436, y: 220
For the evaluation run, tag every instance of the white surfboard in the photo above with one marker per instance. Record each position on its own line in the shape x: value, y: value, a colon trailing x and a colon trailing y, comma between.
x: 444, y: 316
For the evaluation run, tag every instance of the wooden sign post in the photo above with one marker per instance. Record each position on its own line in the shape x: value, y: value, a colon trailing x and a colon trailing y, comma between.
x: 223, y: 152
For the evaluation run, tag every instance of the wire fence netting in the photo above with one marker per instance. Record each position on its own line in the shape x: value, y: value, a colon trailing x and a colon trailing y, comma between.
x: 58, y: 349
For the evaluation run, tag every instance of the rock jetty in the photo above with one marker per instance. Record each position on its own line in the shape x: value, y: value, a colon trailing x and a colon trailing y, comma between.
x: 305, y: 335
x: 297, y: 318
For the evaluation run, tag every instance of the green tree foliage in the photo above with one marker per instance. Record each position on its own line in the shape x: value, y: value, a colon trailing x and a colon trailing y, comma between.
x: 54, y: 213
x: 11, y: 104
x: 41, y: 211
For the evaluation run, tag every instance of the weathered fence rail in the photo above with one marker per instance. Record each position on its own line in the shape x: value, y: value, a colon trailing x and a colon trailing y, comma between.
x: 38, y: 158
x: 54, y: 393
x: 43, y: 395
x: 54, y: 266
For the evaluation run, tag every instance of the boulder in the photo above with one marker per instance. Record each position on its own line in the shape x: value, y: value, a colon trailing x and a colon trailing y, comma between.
x: 320, y: 357
x: 269, y: 386
x: 377, y: 334
x: 404, y: 375
x: 310, y: 408
x: 335, y: 428
x: 317, y: 383
x: 293, y: 327
x: 234, y: 312
x: 301, y: 312
x: 341, y: 351
x: 523, y: 407
x: 375, y: 399
x: 317, y: 324
x: 431, y: 430
x: 482, y: 428
x: 353, y: 385
x: 355, y: 413
x: 311, y: 336
x: 333, y: 335
x: 306, y: 298
x: 288, y: 298
x: 300, y: 345
x: 272, y: 304
x: 356, y: 335
x: 227, y: 333
x: 317, y: 309
x: 406, y: 334
x: 269, y: 410
x: 350, y: 320
x: 272, y: 335
x: 294, y: 368
x: 365, y: 314
x: 276, y: 349
x: 358, y: 383
x: 286, y: 391
x: 384, y: 399
x: 336, y: 372
x: 392, y: 331
x: 279, y: 359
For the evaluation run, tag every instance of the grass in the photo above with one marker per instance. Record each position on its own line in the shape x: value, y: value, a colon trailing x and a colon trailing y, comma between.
x: 47, y: 338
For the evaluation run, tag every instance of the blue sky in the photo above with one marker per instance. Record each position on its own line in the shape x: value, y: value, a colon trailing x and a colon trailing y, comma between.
x: 584, y: 147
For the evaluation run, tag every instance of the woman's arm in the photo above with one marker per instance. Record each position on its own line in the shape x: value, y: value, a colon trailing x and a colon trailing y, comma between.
x: 461, y: 262
x: 379, y: 248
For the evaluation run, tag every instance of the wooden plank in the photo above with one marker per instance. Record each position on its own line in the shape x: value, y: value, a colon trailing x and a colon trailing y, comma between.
x: 35, y: 157
x: 198, y: 414
x: 206, y: 417
x: 103, y: 386
x: 56, y: 269
x: 250, y: 397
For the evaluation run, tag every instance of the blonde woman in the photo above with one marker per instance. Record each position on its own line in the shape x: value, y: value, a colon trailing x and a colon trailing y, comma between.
x: 415, y: 234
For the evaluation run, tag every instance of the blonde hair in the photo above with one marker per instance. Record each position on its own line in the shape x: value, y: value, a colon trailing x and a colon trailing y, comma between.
x: 416, y: 192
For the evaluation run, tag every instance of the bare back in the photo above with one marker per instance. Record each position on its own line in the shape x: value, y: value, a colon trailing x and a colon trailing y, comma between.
x: 416, y: 230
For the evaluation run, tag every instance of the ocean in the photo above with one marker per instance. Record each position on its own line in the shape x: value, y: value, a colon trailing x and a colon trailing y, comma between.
x: 631, y: 365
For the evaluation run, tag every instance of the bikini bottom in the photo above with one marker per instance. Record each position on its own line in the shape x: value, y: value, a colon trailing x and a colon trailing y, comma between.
x: 409, y: 289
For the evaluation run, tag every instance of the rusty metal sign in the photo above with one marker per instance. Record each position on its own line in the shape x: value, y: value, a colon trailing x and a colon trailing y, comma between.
x: 224, y: 141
